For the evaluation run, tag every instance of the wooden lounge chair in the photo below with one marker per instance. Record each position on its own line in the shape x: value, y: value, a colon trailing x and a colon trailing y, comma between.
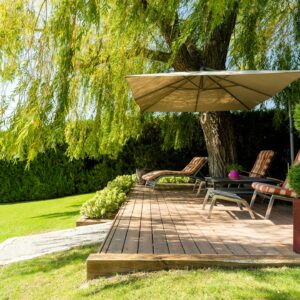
x: 274, y: 192
x: 271, y: 191
x: 259, y: 170
x: 192, y: 170
x: 262, y: 164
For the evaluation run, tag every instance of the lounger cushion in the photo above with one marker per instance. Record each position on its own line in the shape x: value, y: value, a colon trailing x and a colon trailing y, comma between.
x: 262, y: 163
x: 156, y: 174
x: 273, y: 190
x: 195, y: 164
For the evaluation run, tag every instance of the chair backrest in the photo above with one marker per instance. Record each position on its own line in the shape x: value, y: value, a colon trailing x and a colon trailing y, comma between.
x: 295, y: 162
x: 194, y: 165
x: 262, y: 163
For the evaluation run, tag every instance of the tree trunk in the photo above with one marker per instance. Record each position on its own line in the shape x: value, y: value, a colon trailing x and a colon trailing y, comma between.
x: 220, y: 141
x: 217, y: 126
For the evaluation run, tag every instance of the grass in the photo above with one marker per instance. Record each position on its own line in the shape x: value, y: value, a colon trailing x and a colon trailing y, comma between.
x: 18, y: 219
x: 42, y: 278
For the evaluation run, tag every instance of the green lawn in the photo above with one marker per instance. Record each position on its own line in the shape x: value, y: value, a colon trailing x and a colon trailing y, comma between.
x: 62, y: 276
x: 24, y: 218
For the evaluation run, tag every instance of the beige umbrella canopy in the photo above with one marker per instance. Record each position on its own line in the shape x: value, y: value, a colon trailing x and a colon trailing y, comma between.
x: 207, y: 90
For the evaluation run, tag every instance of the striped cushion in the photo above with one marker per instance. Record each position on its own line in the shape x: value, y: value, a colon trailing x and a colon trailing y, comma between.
x: 155, y: 174
x: 195, y: 164
x: 273, y: 190
x: 262, y: 163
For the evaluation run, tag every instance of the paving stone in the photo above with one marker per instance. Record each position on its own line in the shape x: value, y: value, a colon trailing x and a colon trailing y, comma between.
x: 27, y: 247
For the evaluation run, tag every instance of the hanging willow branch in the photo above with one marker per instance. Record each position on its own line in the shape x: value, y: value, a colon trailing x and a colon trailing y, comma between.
x: 66, y: 62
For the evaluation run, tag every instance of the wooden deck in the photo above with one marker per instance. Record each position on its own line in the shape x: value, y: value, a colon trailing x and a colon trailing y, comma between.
x: 167, y: 228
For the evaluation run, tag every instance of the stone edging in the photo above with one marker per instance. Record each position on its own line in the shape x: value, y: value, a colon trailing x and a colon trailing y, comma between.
x: 84, y: 221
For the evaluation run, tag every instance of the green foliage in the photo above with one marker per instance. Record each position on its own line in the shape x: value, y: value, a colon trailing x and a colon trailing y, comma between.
x: 107, y: 201
x: 294, y: 178
x: 52, y: 175
x: 19, y: 219
x: 104, y: 204
x: 174, y: 179
x: 123, y: 183
x: 67, y: 62
x: 61, y: 276
x: 297, y: 117
x: 235, y: 167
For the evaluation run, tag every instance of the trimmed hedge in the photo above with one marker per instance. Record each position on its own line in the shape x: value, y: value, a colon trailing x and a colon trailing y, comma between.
x: 52, y: 175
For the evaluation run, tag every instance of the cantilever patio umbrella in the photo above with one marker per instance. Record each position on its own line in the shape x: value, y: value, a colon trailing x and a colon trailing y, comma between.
x: 207, y: 90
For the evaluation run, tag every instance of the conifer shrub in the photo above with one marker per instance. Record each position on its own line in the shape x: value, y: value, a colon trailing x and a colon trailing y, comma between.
x: 294, y: 178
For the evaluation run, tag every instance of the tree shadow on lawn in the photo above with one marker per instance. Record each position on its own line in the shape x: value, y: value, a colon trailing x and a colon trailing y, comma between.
x: 114, y: 282
x: 49, y: 263
x: 75, y: 205
x: 65, y: 215
x: 260, y: 276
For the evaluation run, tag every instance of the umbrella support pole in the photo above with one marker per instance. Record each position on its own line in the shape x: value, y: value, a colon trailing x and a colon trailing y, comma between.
x: 292, y: 150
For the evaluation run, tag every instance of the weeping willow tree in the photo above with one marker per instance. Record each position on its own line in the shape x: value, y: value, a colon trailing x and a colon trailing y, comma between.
x: 63, y: 64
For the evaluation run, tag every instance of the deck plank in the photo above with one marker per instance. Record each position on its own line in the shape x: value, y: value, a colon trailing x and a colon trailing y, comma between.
x: 145, y: 237
x: 185, y: 237
x: 119, y: 237
x: 114, y: 226
x: 160, y: 245
x: 132, y: 239
x: 172, y: 237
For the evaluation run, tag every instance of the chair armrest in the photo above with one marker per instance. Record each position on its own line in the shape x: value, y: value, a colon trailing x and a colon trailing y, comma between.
x: 276, y: 179
x: 244, y: 172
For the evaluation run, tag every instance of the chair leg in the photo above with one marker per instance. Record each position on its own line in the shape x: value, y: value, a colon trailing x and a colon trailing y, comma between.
x: 249, y: 209
x: 269, y: 207
x: 213, y: 202
x: 201, y: 184
x: 206, y: 198
x: 195, y: 185
x: 253, y: 199
x: 239, y: 205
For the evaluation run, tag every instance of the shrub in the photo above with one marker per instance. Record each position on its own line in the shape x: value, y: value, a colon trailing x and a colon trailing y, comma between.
x: 124, y: 182
x: 174, y: 179
x: 107, y: 201
x: 294, y: 178
x: 104, y: 204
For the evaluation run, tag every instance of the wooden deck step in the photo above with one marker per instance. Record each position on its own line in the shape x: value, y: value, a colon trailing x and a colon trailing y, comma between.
x: 110, y: 264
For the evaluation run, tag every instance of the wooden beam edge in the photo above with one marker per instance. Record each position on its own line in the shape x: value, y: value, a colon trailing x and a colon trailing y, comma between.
x: 99, y: 264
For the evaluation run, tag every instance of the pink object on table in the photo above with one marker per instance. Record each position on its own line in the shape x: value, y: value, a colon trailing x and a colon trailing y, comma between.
x: 234, y: 174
